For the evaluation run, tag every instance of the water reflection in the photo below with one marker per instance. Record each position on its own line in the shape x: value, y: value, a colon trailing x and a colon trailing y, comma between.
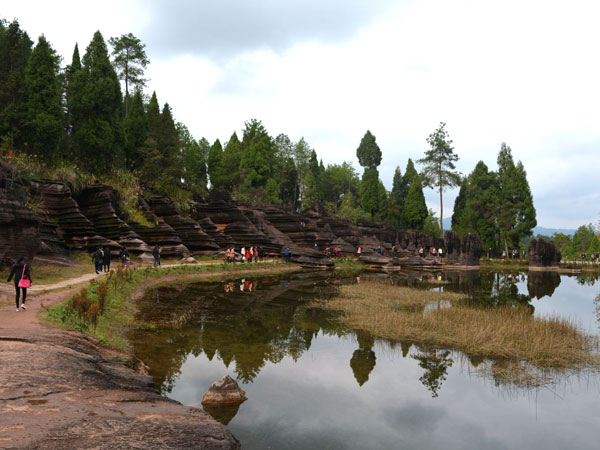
x: 541, y: 284
x: 363, y: 358
x: 436, y: 363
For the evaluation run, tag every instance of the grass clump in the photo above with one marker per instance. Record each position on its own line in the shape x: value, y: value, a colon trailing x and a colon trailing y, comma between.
x: 509, y: 333
x: 349, y: 266
x: 104, y: 309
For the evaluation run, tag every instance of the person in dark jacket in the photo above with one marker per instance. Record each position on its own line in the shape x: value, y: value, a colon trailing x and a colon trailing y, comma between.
x: 156, y: 254
x: 18, y: 271
x: 124, y: 255
x: 106, y: 259
x: 98, y: 258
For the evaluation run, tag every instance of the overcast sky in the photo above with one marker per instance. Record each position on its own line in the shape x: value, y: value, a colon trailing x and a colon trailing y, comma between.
x: 523, y: 72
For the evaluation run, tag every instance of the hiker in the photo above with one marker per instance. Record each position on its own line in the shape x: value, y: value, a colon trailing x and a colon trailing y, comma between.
x: 287, y: 254
x: 124, y: 255
x: 98, y: 258
x: 255, y: 254
x: 421, y: 252
x: 22, y: 276
x: 243, y: 252
x: 106, y: 260
x: 156, y: 254
x: 249, y: 254
x: 228, y: 256
x: 358, y: 251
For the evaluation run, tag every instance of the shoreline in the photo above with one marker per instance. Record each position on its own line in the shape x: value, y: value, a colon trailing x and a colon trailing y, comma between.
x: 62, y: 389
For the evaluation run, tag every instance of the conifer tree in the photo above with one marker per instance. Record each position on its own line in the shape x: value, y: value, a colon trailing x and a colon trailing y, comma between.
x: 439, y: 169
x: 215, y: 165
x: 130, y: 61
x: 70, y: 119
x: 258, y: 153
x: 515, y: 213
x: 415, y: 208
x: 153, y: 115
x: 369, y: 156
x: 44, y: 115
x: 194, y: 160
x: 232, y: 158
x: 135, y: 125
x: 397, y: 199
x: 15, y: 48
x: 96, y: 107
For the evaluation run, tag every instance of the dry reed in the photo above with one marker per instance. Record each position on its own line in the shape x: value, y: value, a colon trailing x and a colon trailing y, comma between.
x: 441, y: 319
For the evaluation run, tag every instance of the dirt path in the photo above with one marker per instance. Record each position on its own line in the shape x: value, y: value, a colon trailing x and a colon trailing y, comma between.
x: 60, y: 390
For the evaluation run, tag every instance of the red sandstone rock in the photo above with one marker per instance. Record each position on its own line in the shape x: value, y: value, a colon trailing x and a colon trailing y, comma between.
x: 224, y: 392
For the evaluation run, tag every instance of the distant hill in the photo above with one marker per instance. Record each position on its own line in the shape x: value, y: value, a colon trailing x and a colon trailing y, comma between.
x: 537, y: 230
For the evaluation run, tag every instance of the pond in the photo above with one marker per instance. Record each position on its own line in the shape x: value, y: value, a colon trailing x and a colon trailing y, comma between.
x: 312, y: 384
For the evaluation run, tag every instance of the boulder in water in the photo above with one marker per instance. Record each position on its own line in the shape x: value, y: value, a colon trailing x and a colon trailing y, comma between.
x: 224, y: 392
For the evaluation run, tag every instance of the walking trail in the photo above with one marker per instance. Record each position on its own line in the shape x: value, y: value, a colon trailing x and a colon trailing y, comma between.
x: 61, y: 390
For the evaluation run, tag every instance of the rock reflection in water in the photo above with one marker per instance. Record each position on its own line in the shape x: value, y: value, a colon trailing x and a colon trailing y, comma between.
x: 222, y: 414
x: 540, y: 284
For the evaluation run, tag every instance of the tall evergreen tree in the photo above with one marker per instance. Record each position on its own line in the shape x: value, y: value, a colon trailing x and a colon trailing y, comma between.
x: 135, y: 125
x: 96, y: 106
x: 397, y: 199
x: 44, y: 119
x: 15, y: 48
x: 258, y: 153
x: 232, y: 159
x: 70, y: 119
x: 369, y: 157
x: 415, y: 208
x: 459, y: 203
x: 215, y: 165
x: 194, y: 160
x: 439, y: 170
x: 515, y: 213
x: 130, y: 61
x: 153, y: 115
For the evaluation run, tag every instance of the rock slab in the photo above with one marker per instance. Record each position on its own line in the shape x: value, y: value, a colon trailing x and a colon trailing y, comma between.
x: 224, y: 392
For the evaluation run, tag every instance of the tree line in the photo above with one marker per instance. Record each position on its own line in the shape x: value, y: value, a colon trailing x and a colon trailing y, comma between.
x: 78, y: 115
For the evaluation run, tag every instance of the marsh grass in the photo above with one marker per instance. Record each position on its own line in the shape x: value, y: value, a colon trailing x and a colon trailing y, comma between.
x: 104, y: 308
x: 349, y: 266
x: 527, y: 345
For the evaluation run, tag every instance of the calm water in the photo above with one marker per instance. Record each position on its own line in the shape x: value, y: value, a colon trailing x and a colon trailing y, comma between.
x: 312, y: 384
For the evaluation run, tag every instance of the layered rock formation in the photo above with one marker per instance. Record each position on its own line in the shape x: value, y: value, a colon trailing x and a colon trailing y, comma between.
x: 19, y: 226
x: 471, y: 250
x: 543, y: 254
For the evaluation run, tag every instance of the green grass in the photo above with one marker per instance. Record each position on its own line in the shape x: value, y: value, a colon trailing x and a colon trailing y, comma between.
x: 349, y: 266
x: 111, y: 323
x: 43, y: 274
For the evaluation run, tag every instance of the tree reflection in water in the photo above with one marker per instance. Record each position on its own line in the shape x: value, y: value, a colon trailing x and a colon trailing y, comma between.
x: 363, y: 358
x: 436, y: 363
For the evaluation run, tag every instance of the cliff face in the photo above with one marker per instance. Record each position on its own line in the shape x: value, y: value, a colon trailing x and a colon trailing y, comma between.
x: 19, y: 226
x: 92, y: 218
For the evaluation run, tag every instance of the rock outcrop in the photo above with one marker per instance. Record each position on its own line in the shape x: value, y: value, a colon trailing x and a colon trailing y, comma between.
x: 19, y: 226
x: 471, y: 250
x: 224, y: 392
x: 543, y: 254
x: 452, y: 244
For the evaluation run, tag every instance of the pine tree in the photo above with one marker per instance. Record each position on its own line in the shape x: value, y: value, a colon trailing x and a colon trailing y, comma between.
x: 258, y: 152
x: 515, y: 210
x: 70, y: 120
x: 96, y: 108
x: 135, y: 126
x: 397, y: 199
x: 215, y: 165
x: 15, y: 48
x: 370, y: 194
x: 232, y: 158
x: 130, y: 60
x: 194, y: 161
x: 439, y: 169
x: 368, y: 152
x: 44, y: 119
x: 415, y: 208
x: 459, y: 204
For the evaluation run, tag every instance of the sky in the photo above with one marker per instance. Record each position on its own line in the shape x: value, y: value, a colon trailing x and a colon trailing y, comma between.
x: 523, y: 72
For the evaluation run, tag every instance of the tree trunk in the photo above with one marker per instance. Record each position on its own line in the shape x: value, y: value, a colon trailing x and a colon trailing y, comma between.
x: 441, y: 214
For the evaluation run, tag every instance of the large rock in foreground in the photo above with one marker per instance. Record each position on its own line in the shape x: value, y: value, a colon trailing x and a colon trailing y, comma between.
x: 224, y: 392
x: 543, y: 254
x: 66, y: 395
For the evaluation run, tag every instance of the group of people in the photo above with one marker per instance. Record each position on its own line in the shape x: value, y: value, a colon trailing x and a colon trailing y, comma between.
x: 431, y: 251
x: 334, y: 252
x: 247, y: 254
x: 594, y: 257
x: 101, y: 259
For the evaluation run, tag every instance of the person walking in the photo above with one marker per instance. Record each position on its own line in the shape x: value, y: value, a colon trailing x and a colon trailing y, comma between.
x: 255, y: 254
x: 358, y: 252
x: 97, y: 259
x: 106, y: 260
x: 124, y: 255
x: 20, y: 271
x: 156, y: 254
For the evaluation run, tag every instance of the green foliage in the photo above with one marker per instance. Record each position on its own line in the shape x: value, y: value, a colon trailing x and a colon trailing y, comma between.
x: 349, y: 209
x: 515, y: 210
x: 432, y: 224
x: 96, y: 110
x: 130, y: 61
x: 258, y: 152
x: 15, y: 48
x: 370, y: 194
x: 44, y: 116
x: 415, y: 208
x: 368, y: 152
x: 215, y: 166
x: 439, y: 170
x: 136, y: 129
x: 232, y: 158
x: 194, y: 160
